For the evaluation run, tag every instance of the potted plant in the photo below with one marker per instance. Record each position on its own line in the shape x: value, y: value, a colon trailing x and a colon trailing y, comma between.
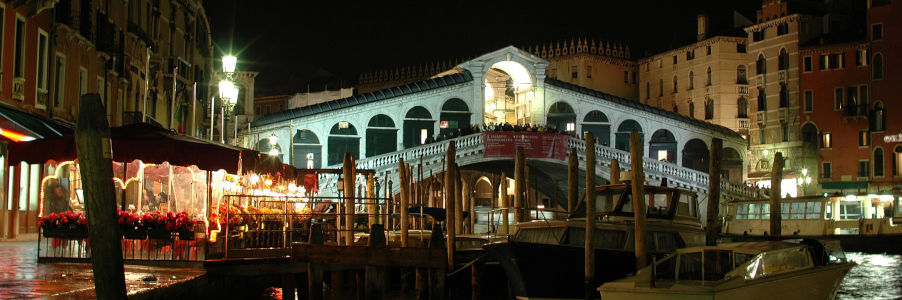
x: 51, y: 226
x: 156, y: 225
x: 183, y: 225
x: 78, y: 225
x: 131, y: 225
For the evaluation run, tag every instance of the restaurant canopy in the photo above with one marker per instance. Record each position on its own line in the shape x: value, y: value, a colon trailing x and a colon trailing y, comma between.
x: 144, y: 142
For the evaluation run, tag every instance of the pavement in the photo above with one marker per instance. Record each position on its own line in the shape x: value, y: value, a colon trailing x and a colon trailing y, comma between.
x: 22, y: 277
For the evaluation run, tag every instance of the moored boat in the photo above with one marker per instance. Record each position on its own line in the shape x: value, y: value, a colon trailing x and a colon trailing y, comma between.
x: 749, y: 270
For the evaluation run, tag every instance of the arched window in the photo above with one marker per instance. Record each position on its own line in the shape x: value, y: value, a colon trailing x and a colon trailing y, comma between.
x: 741, y: 77
x: 878, y: 66
x: 784, y: 60
x: 760, y: 65
x: 878, y: 162
x: 762, y: 100
x: 674, y: 83
x: 897, y: 161
x: 691, y: 80
x: 742, y: 108
x: 709, y: 77
x: 709, y: 109
x: 784, y: 96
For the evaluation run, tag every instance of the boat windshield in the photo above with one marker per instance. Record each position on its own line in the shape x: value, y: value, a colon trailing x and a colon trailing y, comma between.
x: 773, y: 262
x: 702, y: 265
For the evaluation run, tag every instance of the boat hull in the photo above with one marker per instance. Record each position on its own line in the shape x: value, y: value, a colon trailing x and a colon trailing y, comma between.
x: 850, y: 243
x: 820, y: 283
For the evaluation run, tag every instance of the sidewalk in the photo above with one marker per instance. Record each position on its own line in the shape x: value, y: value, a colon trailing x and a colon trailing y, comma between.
x: 21, y: 277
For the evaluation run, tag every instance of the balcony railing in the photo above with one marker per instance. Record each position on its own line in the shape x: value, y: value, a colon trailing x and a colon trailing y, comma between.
x: 42, y: 99
x: 742, y: 123
x: 19, y: 88
x: 762, y: 118
x: 743, y: 90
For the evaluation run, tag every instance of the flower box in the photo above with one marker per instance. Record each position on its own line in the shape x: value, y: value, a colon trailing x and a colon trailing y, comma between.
x: 76, y: 232
x: 138, y: 233
x: 159, y: 233
x: 53, y: 231
x: 186, y: 235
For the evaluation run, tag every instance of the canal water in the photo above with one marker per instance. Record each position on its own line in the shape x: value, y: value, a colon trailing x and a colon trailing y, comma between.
x: 876, y: 277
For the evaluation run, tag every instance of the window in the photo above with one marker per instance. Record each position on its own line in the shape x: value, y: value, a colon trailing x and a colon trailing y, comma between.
x: 19, y: 49
x: 784, y: 96
x: 82, y: 81
x: 647, y: 90
x: 762, y: 136
x: 660, y: 87
x: 710, y: 79
x: 827, y: 170
x: 783, y: 61
x: 861, y: 57
x: 826, y: 140
x: 863, y: 168
x: 760, y: 65
x: 634, y: 77
x: 674, y: 84
x: 692, y: 109
x: 626, y: 77
x: 878, y: 162
x: 708, y: 50
x: 691, y: 80
x: 783, y: 29
x: 863, y: 138
x: 742, y: 108
x: 878, y: 118
x: 709, y: 109
x: 876, y: 32
x: 674, y: 59
x: 863, y: 100
x: 837, y: 61
x: 588, y: 71
x: 41, y: 80
x: 785, y: 129
x: 59, y: 80
x: 660, y: 63
x: 740, y: 48
x: 741, y: 77
x: 852, y: 96
x: 807, y: 64
x: 838, y: 99
x: 690, y: 55
x: 574, y: 72
x: 809, y: 101
x: 757, y: 36
x: 2, y: 13
x: 897, y: 161
x: 877, y: 69
x: 822, y: 62
x: 762, y: 100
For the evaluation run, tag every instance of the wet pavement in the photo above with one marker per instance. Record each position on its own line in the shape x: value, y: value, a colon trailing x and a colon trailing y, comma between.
x: 22, y: 277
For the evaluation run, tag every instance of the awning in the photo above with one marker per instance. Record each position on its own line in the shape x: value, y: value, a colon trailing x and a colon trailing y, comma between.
x: 31, y: 125
x: 143, y: 142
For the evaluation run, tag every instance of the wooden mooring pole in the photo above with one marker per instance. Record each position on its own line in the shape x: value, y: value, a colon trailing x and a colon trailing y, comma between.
x: 590, y: 217
x: 505, y: 205
x: 314, y: 270
x: 615, y: 171
x: 349, y: 190
x: 712, y: 228
x: 376, y: 283
x: 450, y: 199
x: 519, y: 185
x: 776, y: 219
x: 371, y: 200
x: 402, y: 183
x: 572, y: 180
x: 95, y: 155
x: 639, y: 210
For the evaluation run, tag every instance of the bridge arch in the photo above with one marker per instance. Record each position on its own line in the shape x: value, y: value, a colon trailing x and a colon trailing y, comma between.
x: 508, y: 91
x: 622, y: 140
x: 663, y: 146
x: 598, y: 124
x: 455, y: 114
x: 308, y: 151
x: 342, y: 138
x: 381, y: 135
x: 696, y: 155
x: 482, y: 191
x: 562, y: 116
x: 418, y: 126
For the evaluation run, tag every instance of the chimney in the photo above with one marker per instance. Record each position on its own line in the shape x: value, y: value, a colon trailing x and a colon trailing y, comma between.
x: 702, y: 26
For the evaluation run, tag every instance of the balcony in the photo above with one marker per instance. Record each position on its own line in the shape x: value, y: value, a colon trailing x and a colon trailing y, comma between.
x: 42, y: 99
x: 106, y: 34
x: 742, y: 123
x: 783, y: 114
x: 19, y: 88
x: 855, y: 111
x: 782, y: 75
x: 759, y: 81
x: 762, y: 118
x: 742, y: 90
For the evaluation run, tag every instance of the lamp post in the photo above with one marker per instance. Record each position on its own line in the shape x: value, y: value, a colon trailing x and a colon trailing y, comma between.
x: 273, y: 142
x: 228, y: 93
x: 803, y: 181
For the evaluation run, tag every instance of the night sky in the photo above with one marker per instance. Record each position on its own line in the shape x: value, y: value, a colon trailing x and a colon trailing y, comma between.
x: 287, y: 40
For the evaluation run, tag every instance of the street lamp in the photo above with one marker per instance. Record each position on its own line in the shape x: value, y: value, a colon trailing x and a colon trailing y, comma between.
x: 228, y: 93
x: 273, y: 142
x: 804, y: 180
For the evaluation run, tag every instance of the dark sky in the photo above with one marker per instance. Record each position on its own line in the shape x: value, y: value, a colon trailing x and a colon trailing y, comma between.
x: 289, y: 39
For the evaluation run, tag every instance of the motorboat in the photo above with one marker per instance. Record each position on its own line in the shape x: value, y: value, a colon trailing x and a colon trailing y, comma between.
x: 802, y: 269
x: 545, y: 258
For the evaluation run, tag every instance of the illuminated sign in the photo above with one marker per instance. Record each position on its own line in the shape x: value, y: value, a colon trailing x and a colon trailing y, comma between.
x: 444, y: 124
x: 892, y: 138
x: 15, y: 136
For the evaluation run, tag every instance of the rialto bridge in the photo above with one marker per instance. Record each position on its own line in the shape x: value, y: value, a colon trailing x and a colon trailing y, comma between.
x: 504, y: 86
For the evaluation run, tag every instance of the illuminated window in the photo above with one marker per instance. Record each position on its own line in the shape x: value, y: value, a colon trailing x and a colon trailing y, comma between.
x: 662, y: 155
x: 897, y: 161
x: 571, y: 127
x: 861, y: 57
x: 826, y: 140
x: 863, y: 138
x: 424, y: 133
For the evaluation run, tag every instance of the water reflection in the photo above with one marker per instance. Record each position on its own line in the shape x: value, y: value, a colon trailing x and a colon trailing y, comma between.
x: 877, y: 276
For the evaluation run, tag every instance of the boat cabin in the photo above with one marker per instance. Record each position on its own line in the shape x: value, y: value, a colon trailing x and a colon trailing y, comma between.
x: 661, y: 202
x: 818, y: 216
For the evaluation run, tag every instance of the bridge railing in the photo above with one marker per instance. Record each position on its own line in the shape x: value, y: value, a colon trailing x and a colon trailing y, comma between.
x: 434, y: 153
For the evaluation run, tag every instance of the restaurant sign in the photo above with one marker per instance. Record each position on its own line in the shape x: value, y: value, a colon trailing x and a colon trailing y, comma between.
x: 892, y: 138
x: 535, y: 144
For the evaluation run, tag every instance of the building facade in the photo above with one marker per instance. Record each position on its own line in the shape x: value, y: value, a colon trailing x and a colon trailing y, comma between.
x: 142, y: 57
x: 601, y: 66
